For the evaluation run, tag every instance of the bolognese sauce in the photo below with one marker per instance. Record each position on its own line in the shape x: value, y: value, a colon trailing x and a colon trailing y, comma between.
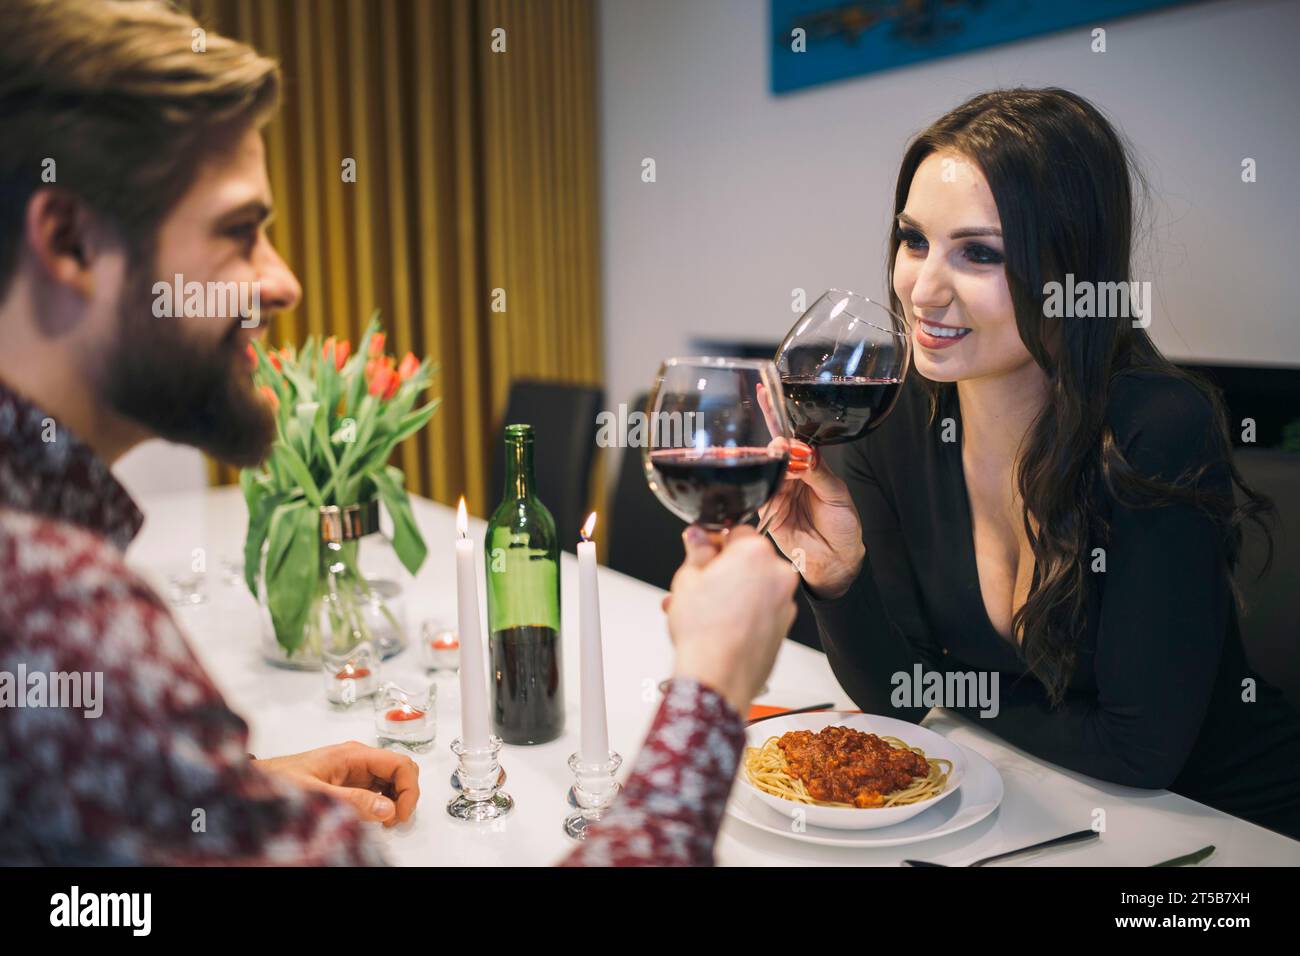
x: 841, y: 765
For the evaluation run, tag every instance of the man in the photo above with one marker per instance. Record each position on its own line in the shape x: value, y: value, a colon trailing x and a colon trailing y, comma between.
x: 130, y: 158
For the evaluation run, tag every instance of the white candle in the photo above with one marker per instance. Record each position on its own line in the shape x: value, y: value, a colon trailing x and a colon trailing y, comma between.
x: 473, y: 679
x: 595, y: 732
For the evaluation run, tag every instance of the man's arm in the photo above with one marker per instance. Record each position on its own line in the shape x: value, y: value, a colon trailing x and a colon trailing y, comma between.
x: 670, y: 811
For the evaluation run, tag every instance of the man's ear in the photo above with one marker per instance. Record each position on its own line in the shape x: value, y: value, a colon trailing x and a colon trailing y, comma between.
x: 58, y: 230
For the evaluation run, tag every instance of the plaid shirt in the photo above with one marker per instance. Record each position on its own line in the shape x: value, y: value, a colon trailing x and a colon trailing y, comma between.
x: 161, y: 775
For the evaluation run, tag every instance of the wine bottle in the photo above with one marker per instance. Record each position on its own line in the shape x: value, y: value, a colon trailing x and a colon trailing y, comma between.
x: 523, y: 602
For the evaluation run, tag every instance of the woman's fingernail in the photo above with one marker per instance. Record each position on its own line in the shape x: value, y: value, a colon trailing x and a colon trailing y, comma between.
x: 382, y: 807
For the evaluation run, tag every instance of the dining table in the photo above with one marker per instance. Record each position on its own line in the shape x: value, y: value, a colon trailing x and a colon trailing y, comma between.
x: 286, y: 712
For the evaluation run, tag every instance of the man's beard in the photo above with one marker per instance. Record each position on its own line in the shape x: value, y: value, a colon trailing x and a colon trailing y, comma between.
x: 184, y: 388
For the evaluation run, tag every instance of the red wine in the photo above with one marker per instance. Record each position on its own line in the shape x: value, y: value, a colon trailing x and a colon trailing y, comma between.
x: 527, y: 693
x: 836, y: 410
x: 717, y: 487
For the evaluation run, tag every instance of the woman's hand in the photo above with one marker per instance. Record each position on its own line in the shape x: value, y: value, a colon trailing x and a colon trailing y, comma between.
x: 732, y: 605
x: 381, y: 785
x: 815, y: 523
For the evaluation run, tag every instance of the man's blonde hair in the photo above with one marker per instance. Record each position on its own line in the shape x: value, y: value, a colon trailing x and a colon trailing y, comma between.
x: 116, y: 94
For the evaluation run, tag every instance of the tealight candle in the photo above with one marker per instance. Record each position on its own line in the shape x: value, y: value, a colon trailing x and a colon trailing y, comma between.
x: 441, y: 647
x: 350, y: 677
x: 401, y: 717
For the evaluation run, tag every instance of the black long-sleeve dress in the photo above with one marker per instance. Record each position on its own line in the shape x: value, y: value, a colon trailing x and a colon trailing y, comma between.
x: 1157, y: 698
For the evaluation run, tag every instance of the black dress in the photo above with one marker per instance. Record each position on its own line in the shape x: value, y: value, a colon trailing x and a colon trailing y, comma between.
x: 1157, y: 698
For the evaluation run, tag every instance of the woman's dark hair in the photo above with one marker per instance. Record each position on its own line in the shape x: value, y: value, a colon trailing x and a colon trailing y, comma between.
x: 1064, y: 184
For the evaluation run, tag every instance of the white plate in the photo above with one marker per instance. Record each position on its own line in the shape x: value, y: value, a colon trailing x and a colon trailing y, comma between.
x: 979, y: 794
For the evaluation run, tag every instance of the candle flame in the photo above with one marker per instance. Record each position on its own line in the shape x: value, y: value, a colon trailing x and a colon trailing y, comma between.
x: 462, y: 519
x: 589, y: 526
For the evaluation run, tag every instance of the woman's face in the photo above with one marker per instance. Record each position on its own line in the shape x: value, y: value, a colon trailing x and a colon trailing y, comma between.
x: 949, y: 275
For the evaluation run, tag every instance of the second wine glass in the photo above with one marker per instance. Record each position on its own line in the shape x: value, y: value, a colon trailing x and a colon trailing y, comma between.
x: 842, y: 367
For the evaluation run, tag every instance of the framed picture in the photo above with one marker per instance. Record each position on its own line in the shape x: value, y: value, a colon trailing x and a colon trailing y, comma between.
x: 819, y: 41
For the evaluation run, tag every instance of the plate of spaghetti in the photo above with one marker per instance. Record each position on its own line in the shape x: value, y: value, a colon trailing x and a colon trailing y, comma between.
x: 849, y: 771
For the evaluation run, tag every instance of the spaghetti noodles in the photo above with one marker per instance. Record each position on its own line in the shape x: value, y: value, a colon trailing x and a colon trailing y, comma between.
x: 840, y: 767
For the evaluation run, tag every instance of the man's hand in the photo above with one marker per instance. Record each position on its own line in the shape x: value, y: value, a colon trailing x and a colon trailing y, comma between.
x: 731, y: 608
x: 381, y: 785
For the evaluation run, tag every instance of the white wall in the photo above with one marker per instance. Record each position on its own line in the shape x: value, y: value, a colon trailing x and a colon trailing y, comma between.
x: 758, y: 194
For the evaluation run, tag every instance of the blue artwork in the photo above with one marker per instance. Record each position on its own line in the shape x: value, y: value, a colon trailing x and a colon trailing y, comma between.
x: 844, y: 38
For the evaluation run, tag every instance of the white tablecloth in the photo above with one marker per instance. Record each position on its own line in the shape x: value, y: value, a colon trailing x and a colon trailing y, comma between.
x: 287, y: 713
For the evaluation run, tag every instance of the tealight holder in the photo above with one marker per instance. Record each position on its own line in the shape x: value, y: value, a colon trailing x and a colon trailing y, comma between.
x: 405, y: 718
x: 592, y: 794
x: 350, y: 676
x: 478, y: 778
x: 439, y: 647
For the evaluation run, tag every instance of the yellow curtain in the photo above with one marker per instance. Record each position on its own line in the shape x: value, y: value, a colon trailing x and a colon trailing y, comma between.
x: 472, y: 126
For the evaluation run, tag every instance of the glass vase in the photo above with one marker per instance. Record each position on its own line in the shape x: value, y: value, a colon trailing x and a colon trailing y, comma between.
x: 357, y: 597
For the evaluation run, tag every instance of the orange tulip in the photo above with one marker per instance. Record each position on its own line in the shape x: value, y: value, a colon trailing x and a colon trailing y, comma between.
x: 377, y: 344
x: 272, y: 399
x: 274, y: 360
x: 382, y: 381
x: 410, y: 365
x: 341, y: 352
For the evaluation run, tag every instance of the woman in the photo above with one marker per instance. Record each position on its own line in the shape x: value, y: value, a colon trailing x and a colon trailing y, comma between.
x: 1051, y: 500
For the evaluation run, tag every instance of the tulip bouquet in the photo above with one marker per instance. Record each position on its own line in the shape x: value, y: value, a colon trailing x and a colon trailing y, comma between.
x: 339, y: 416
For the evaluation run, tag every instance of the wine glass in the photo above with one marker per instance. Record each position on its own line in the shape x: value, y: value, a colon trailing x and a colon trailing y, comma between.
x: 842, y: 367
x: 717, y: 445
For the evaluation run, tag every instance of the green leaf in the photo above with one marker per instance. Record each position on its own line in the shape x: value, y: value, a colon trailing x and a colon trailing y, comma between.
x: 259, y: 519
x: 320, y: 427
x: 365, y: 427
x: 303, y: 384
x: 413, y: 422
x: 298, y: 470
x: 292, y: 570
x: 407, y: 540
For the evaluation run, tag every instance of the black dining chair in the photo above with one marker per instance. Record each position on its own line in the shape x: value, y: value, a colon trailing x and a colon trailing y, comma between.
x: 563, y: 416
x: 645, y: 539
x: 1270, y: 627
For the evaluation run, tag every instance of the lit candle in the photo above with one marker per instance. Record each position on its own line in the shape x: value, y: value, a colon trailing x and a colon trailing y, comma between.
x: 441, y: 647
x: 595, y: 732
x: 473, y: 677
x: 401, y: 718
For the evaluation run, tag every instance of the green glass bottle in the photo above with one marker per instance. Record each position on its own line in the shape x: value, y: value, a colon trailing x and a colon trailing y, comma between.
x: 523, y: 603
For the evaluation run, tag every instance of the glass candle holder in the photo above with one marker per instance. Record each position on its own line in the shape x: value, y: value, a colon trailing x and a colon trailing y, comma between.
x: 186, y: 586
x: 592, y: 794
x: 350, y: 676
x: 405, y: 718
x: 478, y: 779
x: 439, y: 647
